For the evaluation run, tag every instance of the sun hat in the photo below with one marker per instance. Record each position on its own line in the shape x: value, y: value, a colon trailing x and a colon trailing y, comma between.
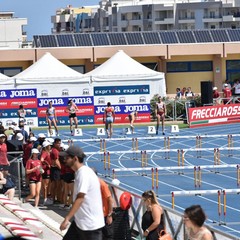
x: 41, y: 135
x: 19, y: 137
x: 225, y: 85
x: 214, y: 88
x: 2, y: 135
x: 35, y: 150
x: 46, y: 143
x: 33, y: 139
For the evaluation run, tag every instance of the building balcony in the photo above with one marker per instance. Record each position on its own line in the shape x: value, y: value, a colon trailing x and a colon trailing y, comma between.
x: 212, y: 20
x: 228, y: 18
x: 164, y: 21
x: 124, y: 23
x: 135, y: 22
x: 186, y: 20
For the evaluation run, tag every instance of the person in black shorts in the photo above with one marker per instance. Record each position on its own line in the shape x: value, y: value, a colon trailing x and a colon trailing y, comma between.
x: 72, y: 109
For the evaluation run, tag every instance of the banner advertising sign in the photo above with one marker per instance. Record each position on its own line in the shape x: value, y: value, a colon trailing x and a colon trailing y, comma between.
x: 221, y: 114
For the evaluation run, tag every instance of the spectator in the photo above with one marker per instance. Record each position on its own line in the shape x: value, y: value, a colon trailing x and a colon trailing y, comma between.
x: 55, y: 172
x: 87, y: 204
x: 227, y: 94
x: 9, y: 187
x: 153, y: 218
x: 228, y: 83
x: 178, y: 94
x: 34, y: 171
x: 108, y: 119
x: 160, y: 111
x: 40, y: 140
x: 183, y: 91
x: 189, y: 93
x: 236, y: 88
x: 194, y: 218
x: 4, y: 163
x: 215, y: 93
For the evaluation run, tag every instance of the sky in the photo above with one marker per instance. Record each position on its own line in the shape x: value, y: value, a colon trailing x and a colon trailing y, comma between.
x: 39, y: 12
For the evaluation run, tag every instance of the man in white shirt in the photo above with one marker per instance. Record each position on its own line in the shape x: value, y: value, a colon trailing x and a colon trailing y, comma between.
x: 87, y: 202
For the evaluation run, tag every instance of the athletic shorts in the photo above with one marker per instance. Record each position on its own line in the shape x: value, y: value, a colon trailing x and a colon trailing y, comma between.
x: 51, y: 118
x: 68, y: 177
x: 55, y: 173
x: 45, y: 176
x: 109, y: 120
x: 72, y: 115
x: 31, y: 181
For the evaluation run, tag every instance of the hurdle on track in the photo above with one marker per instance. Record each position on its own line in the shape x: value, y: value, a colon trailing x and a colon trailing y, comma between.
x: 103, y: 145
x: 230, y: 144
x: 167, y: 146
x: 238, y: 175
x: 217, y: 156
x: 135, y: 148
x: 197, y: 176
x: 155, y: 138
x: 198, y: 145
x: 221, y: 194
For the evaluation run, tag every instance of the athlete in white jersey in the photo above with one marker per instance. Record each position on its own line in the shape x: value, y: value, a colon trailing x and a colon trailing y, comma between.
x: 160, y: 111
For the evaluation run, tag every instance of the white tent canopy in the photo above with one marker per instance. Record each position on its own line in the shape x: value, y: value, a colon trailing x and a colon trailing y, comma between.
x: 5, y: 80
x: 120, y: 65
x: 121, y: 68
x: 48, y: 69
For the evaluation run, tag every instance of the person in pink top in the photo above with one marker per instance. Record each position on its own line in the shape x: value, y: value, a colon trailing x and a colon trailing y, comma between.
x: 34, y: 172
x: 4, y: 163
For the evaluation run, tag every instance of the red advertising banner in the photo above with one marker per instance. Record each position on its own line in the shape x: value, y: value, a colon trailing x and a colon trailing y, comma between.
x: 61, y: 111
x: 14, y: 103
x: 123, y: 118
x: 212, y: 115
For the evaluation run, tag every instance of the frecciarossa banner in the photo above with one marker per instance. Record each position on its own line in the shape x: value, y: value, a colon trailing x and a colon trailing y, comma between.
x: 211, y: 115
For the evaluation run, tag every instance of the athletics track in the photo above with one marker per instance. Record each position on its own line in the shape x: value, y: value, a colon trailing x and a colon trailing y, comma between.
x: 194, y: 166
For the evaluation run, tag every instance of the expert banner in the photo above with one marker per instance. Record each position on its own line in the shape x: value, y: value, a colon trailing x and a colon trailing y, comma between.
x: 212, y: 115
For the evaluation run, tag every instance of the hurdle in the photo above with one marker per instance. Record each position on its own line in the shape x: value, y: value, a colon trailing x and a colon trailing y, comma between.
x: 238, y: 175
x: 197, y: 177
x: 198, y: 145
x: 216, y: 156
x: 167, y: 146
x: 103, y: 145
x: 230, y: 144
x: 70, y: 142
x: 135, y: 148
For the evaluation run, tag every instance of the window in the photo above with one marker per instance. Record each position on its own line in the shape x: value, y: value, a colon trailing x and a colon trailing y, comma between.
x: 197, y: 66
x: 78, y: 68
x: 122, y: 100
x: 142, y: 99
x: 10, y: 72
x: 101, y: 101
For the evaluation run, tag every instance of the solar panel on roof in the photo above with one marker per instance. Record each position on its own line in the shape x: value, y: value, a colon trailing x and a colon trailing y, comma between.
x: 219, y: 35
x: 100, y: 39
x: 151, y: 38
x: 185, y: 37
x: 65, y: 40
x: 134, y: 38
x: 202, y: 36
x: 82, y: 39
x: 117, y: 39
x: 234, y: 34
x: 168, y: 37
x: 48, y: 41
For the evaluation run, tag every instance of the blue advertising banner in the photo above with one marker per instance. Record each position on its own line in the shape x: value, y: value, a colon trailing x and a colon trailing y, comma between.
x: 63, y: 101
x: 124, y: 109
x: 82, y: 120
x: 12, y: 113
x: 121, y: 90
x: 18, y: 93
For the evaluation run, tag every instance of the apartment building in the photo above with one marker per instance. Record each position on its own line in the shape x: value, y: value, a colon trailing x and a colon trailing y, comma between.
x: 145, y: 15
x: 12, y: 34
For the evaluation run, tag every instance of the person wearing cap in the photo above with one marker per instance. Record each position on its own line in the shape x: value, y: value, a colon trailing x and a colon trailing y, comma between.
x: 55, y: 172
x: 27, y: 148
x: 34, y: 172
x: 215, y: 93
x: 227, y: 94
x: 40, y: 140
x: 71, y: 110
x: 51, y: 118
x: 46, y: 165
x: 87, y: 202
x: 160, y: 111
x: 4, y: 163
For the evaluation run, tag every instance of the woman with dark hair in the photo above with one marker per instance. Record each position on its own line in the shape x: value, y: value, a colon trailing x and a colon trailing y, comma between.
x: 71, y: 110
x: 194, y: 218
x: 153, y: 218
x: 108, y: 119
